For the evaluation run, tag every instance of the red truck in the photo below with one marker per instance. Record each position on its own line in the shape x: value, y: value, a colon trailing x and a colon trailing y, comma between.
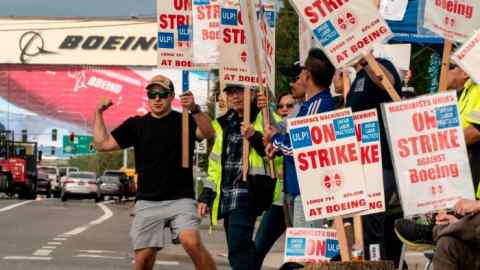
x: 18, y: 167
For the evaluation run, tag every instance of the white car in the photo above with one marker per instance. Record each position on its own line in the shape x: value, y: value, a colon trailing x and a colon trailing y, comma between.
x: 80, y: 185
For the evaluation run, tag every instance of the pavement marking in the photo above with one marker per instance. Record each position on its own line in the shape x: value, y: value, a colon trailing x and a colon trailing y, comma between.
x: 163, y: 262
x: 96, y: 256
x: 95, y: 251
x: 167, y: 263
x: 10, y: 207
x: 59, y: 239
x: 106, y: 215
x: 27, y: 258
x: 49, y: 247
x: 54, y: 243
x: 42, y: 252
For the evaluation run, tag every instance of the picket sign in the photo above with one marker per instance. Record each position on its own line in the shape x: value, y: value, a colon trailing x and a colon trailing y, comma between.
x: 249, y: 11
x: 428, y: 152
x: 468, y: 57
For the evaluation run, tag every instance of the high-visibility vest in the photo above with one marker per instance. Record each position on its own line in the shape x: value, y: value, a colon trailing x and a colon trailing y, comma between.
x: 257, y: 166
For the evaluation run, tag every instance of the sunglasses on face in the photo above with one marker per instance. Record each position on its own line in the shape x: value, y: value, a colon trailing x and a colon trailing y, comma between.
x: 152, y: 94
x: 452, y: 66
x: 288, y: 106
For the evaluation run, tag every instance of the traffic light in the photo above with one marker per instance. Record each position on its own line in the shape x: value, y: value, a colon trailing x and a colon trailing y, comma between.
x: 24, y: 135
x: 71, y: 137
x: 54, y: 135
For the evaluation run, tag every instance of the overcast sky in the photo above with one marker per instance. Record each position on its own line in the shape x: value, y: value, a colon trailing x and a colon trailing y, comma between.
x: 78, y: 8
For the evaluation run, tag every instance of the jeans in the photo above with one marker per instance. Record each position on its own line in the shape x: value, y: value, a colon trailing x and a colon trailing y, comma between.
x: 271, y: 228
x: 299, y: 220
x: 239, y: 225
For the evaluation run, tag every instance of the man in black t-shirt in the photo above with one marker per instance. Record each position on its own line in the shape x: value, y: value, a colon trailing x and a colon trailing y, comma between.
x: 367, y: 92
x: 165, y: 196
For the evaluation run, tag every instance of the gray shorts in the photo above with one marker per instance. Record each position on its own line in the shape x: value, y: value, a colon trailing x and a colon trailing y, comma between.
x: 152, y: 218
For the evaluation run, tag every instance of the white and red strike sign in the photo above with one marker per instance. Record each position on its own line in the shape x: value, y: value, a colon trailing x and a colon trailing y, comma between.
x: 468, y: 57
x: 310, y: 245
x: 328, y: 163
x: 429, y: 152
x: 174, y: 46
x: 452, y: 19
x: 344, y: 28
x: 263, y: 32
x: 206, y: 31
x: 368, y: 136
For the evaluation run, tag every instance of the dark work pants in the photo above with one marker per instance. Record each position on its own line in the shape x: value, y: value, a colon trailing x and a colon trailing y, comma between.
x: 271, y: 228
x: 458, y: 245
x: 374, y: 229
x: 239, y: 226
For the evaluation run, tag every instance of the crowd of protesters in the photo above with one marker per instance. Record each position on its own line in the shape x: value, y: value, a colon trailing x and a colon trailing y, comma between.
x: 166, y: 200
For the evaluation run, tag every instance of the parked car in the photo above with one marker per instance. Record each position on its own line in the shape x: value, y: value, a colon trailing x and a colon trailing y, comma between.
x: 110, y: 186
x: 54, y: 176
x: 80, y: 185
x: 129, y: 186
x: 44, y: 184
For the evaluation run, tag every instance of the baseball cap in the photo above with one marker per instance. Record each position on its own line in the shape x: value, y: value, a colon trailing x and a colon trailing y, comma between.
x: 293, y: 70
x: 233, y: 86
x: 162, y: 81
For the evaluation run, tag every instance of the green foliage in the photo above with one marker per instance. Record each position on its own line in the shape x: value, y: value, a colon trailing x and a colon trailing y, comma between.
x: 102, y: 161
x: 286, y: 44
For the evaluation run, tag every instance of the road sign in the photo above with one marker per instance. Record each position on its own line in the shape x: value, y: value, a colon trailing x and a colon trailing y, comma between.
x: 81, y: 144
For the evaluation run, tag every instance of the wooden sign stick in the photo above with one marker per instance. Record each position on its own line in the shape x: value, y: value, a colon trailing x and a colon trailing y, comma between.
x: 246, y: 144
x: 342, y: 239
x: 185, y: 125
x: 256, y: 55
x: 447, y: 49
x: 357, y: 220
x: 346, y: 83
x: 372, y: 62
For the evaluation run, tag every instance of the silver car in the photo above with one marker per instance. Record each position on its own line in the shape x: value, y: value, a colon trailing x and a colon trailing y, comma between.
x: 80, y: 185
x: 110, y: 186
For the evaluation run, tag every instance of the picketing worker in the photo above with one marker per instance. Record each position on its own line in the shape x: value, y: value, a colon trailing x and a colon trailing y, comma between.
x: 225, y: 192
x: 165, y: 195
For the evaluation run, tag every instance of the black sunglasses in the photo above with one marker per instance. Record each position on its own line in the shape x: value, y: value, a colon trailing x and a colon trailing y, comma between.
x: 152, y: 94
x: 452, y: 66
x: 288, y: 106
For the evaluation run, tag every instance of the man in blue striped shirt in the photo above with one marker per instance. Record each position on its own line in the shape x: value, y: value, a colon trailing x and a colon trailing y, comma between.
x: 313, y: 82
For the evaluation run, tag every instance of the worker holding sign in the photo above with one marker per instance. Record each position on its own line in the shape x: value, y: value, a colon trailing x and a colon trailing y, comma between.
x: 225, y: 192
x: 367, y: 92
x: 315, y: 78
x: 165, y: 196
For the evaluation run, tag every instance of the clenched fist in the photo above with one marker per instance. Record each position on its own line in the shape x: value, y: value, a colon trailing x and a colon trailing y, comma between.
x: 104, y: 104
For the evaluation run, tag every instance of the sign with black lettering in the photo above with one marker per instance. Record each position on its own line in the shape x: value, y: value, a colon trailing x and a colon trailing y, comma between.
x: 101, y: 42
x: 429, y: 152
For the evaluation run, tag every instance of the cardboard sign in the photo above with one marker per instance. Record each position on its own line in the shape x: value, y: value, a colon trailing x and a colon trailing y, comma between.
x: 267, y: 55
x: 452, y: 19
x: 368, y: 136
x: 345, y: 29
x: 174, y: 42
x: 310, y: 245
x: 234, y: 51
x: 328, y: 163
x: 206, y: 31
x: 429, y: 152
x: 468, y: 57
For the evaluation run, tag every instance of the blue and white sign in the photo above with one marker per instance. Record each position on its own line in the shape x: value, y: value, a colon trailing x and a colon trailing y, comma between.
x: 310, y: 245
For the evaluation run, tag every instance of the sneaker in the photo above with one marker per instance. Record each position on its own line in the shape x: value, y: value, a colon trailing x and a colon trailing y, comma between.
x: 415, y: 236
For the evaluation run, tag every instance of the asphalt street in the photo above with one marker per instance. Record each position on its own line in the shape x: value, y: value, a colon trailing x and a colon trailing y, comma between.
x: 47, y: 234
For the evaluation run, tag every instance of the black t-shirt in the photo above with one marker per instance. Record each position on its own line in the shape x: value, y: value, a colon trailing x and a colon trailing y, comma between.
x: 158, y: 155
x: 364, y: 94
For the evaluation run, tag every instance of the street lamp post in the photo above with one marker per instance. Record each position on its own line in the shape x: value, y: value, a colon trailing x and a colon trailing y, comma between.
x: 81, y: 116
